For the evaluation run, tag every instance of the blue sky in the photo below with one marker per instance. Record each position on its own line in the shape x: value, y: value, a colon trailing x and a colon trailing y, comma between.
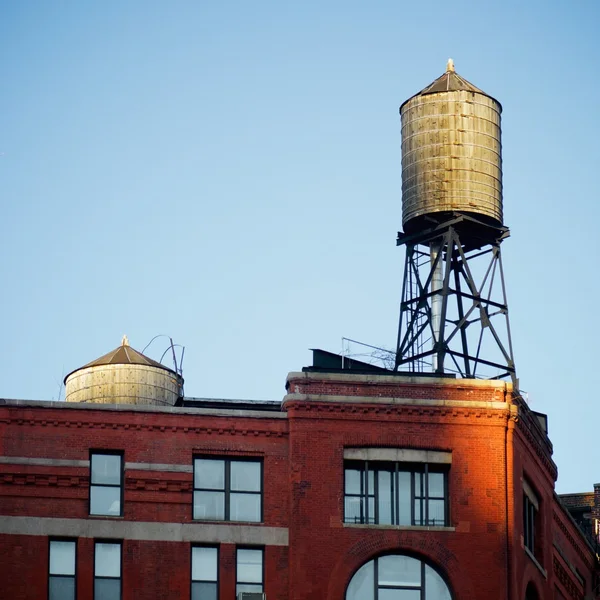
x: 228, y: 173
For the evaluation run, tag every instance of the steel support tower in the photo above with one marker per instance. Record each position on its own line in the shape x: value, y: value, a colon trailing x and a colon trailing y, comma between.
x: 454, y: 310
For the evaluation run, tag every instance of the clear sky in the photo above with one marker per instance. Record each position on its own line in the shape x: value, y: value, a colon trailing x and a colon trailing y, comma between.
x: 228, y: 173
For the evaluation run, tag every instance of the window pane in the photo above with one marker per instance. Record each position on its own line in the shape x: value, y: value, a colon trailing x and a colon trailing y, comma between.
x: 61, y: 588
x: 418, y: 490
x: 404, y: 501
x: 107, y: 589
x: 204, y: 564
x: 353, y: 481
x: 352, y: 510
x: 399, y: 570
x: 209, y: 505
x: 418, y: 516
x: 436, y: 485
x: 247, y: 587
x: 371, y: 515
x: 106, y: 468
x: 361, y: 585
x: 384, y: 499
x: 249, y: 566
x: 245, y: 476
x: 62, y: 558
x: 399, y: 594
x: 105, y: 500
x: 436, y: 513
x: 435, y: 587
x: 108, y: 560
x: 204, y: 591
x: 209, y: 474
x: 371, y: 482
x: 244, y: 507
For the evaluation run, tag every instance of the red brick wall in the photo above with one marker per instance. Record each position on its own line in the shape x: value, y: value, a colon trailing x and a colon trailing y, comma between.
x: 472, y: 557
x: 23, y: 567
x: 144, y: 437
x: 481, y: 558
x: 151, y: 570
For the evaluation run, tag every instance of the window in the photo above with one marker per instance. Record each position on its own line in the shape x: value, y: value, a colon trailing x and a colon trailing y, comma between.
x: 61, y: 578
x: 249, y: 570
x: 204, y: 573
x: 227, y: 490
x: 107, y: 571
x: 531, y: 508
x: 106, y: 483
x: 396, y: 493
x: 529, y: 519
x: 397, y: 577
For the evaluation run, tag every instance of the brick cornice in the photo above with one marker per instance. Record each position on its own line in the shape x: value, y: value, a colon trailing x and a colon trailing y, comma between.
x: 586, y: 557
x: 374, y: 385
x: 541, y: 453
x: 225, y: 429
x: 394, y: 411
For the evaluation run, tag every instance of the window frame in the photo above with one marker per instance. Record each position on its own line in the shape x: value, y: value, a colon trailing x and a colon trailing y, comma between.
x: 121, y: 484
x: 50, y: 574
x: 395, y: 468
x: 118, y: 543
x: 192, y: 580
x: 261, y: 549
x: 530, y: 517
x: 226, y: 490
x: 531, y: 521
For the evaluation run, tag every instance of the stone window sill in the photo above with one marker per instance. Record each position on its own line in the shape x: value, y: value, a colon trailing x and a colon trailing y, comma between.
x: 399, y: 527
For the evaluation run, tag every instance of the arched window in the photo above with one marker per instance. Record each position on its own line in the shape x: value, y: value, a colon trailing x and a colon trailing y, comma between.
x: 397, y: 577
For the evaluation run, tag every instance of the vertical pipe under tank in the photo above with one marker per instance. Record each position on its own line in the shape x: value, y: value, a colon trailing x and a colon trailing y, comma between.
x: 437, y: 279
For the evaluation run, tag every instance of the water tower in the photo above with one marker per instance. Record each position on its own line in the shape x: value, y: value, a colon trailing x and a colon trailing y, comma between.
x: 124, y: 376
x: 453, y: 313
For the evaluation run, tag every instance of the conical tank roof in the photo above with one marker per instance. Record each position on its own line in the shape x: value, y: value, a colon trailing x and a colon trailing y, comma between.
x: 450, y: 81
x: 122, y: 355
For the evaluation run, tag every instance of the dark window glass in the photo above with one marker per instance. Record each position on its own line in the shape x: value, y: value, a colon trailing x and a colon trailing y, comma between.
x: 106, y: 484
x: 107, y: 589
x: 529, y: 524
x: 61, y: 588
x: 204, y: 591
x: 61, y: 580
x: 391, y: 494
x: 227, y: 490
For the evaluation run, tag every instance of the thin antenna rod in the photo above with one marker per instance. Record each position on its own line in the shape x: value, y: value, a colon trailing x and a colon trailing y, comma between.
x: 156, y: 336
x: 174, y: 357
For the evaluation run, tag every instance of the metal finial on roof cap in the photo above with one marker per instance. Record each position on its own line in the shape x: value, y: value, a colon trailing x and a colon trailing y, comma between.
x: 124, y: 341
x: 450, y: 66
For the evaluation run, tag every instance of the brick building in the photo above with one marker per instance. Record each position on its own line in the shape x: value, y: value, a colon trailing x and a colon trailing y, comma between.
x: 358, y: 485
x: 585, y: 510
x: 361, y: 483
